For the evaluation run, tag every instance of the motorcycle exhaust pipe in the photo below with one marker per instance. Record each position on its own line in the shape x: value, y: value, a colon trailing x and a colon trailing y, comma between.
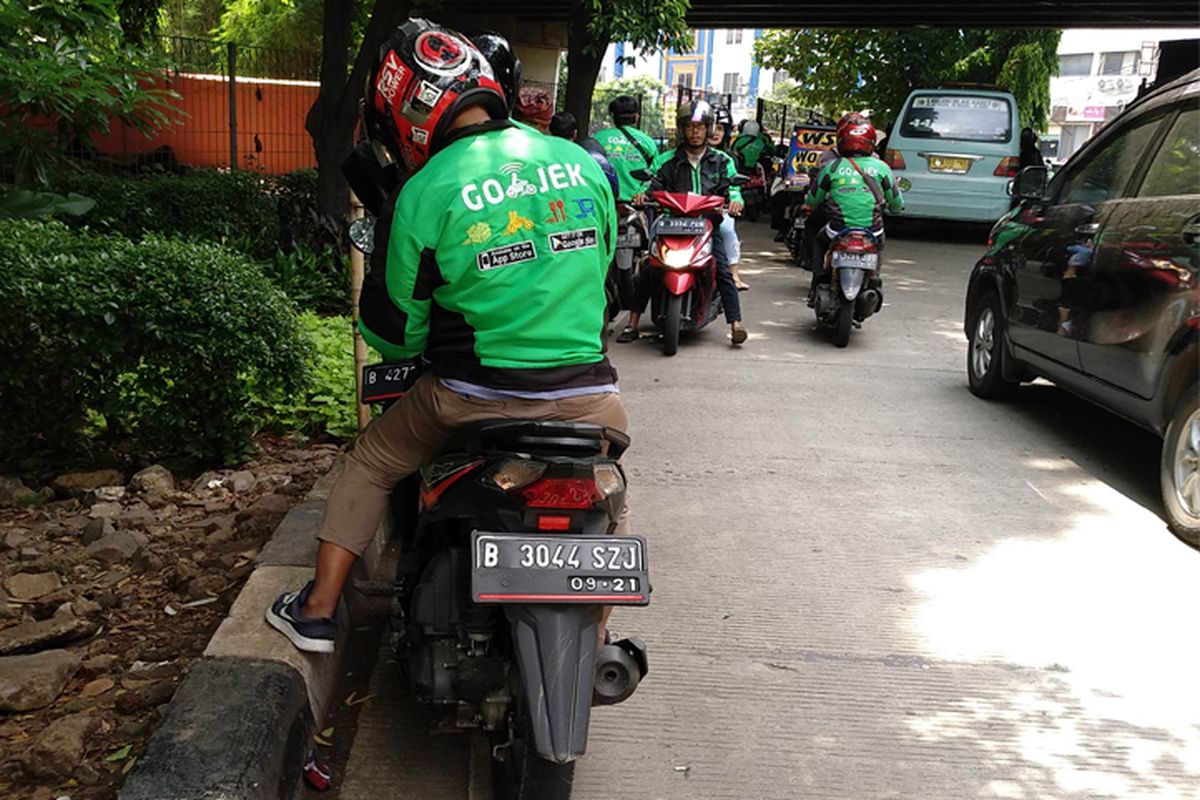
x: 868, y: 303
x: 620, y: 667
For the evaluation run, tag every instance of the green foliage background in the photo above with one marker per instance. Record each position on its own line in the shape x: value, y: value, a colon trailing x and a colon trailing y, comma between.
x: 839, y: 70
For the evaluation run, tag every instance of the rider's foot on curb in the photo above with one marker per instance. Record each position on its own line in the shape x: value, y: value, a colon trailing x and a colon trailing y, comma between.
x: 741, y: 287
x: 737, y: 333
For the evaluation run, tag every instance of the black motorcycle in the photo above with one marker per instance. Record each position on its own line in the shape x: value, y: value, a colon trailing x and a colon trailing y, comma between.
x: 506, y: 559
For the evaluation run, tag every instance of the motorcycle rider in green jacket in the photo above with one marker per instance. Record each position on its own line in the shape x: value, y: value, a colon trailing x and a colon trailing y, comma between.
x: 694, y: 167
x: 492, y: 267
x: 627, y: 147
x: 852, y: 190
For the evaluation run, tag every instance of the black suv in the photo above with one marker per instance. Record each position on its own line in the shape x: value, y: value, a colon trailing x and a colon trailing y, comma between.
x: 1093, y: 282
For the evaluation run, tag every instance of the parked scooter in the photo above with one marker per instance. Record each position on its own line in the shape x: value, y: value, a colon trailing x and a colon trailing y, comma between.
x: 754, y: 193
x: 850, y: 289
x: 506, y: 560
x: 795, y: 233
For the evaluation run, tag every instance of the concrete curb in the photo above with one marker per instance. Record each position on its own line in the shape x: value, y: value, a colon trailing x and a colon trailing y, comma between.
x: 239, y: 726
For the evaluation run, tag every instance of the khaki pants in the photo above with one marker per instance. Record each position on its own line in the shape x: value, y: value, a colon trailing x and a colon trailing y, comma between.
x: 414, y: 430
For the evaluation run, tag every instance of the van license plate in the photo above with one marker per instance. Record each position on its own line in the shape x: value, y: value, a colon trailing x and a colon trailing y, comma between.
x: 541, y: 568
x: 954, y: 166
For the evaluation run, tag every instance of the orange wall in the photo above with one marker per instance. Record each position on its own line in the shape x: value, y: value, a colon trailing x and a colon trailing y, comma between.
x: 270, y: 122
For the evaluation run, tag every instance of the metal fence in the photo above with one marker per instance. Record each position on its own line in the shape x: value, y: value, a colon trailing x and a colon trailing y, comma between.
x: 240, y: 107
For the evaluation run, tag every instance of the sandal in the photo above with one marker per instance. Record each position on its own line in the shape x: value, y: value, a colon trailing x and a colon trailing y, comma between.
x: 737, y: 335
x: 741, y: 287
x: 630, y: 334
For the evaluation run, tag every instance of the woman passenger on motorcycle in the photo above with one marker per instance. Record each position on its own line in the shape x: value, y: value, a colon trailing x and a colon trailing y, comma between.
x: 467, y: 234
x: 719, y: 141
x: 695, y: 167
x: 852, y: 190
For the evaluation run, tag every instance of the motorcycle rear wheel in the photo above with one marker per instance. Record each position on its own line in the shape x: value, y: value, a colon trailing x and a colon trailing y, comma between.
x: 673, y: 319
x: 524, y: 775
x: 845, y: 318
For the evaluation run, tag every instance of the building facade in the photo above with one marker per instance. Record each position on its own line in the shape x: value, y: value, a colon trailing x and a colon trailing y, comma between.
x: 1099, y: 73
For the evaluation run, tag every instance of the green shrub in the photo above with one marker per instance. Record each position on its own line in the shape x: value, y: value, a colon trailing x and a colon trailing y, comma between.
x: 233, y: 208
x: 325, y: 404
x: 158, y: 341
x: 315, y: 280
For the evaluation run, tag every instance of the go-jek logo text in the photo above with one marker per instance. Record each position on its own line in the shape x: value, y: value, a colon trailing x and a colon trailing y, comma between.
x: 493, y: 192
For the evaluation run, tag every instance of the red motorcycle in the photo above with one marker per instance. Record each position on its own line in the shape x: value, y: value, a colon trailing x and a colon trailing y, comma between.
x: 683, y: 250
x: 754, y: 193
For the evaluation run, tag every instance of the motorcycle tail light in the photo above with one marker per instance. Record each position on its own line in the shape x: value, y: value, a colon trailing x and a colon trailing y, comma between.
x: 894, y: 159
x: 562, y: 493
x: 517, y: 472
x: 858, y: 244
x: 1009, y: 167
x: 608, y: 479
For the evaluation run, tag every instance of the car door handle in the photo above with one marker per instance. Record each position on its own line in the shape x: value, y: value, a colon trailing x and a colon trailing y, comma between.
x: 1088, y: 229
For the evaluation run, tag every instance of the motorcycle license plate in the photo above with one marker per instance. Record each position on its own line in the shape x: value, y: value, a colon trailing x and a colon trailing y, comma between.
x: 388, y: 381
x: 680, y: 226
x: 531, y: 568
x: 841, y: 258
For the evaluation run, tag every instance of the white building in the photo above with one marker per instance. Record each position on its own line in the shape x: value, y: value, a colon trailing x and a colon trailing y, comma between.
x: 1099, y: 73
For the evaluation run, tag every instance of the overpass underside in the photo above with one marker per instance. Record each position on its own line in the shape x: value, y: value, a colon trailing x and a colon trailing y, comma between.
x: 891, y: 14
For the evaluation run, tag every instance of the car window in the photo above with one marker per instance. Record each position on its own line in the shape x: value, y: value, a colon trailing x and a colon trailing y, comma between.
x: 1175, y: 169
x: 969, y: 118
x: 1105, y: 173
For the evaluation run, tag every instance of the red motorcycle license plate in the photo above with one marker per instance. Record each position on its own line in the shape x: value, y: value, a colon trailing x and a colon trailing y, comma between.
x: 680, y: 226
x: 533, y: 568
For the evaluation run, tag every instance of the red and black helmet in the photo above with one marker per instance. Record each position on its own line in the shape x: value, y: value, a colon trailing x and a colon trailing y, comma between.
x: 856, y: 138
x: 424, y: 76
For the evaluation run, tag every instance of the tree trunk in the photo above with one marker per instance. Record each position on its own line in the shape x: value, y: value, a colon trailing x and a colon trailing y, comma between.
x: 582, y: 66
x: 333, y: 116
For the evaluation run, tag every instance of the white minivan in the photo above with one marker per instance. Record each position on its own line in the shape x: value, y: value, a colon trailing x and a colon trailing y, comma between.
x: 953, y: 151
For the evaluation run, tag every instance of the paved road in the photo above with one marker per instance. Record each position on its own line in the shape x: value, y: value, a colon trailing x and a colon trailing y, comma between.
x: 870, y: 584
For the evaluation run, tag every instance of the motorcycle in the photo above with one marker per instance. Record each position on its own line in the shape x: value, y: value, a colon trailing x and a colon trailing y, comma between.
x: 633, y: 242
x: 850, y: 289
x: 795, y: 233
x: 754, y: 193
x: 506, y: 560
x: 683, y: 250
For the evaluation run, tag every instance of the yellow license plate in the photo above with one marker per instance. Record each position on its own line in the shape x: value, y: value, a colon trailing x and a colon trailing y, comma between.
x: 957, y: 166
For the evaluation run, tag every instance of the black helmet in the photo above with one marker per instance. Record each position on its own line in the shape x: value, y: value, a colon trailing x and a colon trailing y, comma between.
x: 423, y: 77
x: 504, y: 61
x: 694, y: 111
x: 721, y: 116
x: 624, y: 109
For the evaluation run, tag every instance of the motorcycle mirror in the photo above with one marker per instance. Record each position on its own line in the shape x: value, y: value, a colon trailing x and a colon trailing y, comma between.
x: 362, y: 234
x: 640, y: 174
x: 739, y: 180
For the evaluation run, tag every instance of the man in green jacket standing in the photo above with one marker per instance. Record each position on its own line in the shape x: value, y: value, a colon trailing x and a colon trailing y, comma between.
x: 627, y: 147
x: 492, y: 265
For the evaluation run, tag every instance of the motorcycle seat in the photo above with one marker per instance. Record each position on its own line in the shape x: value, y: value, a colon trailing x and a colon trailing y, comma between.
x: 537, y: 436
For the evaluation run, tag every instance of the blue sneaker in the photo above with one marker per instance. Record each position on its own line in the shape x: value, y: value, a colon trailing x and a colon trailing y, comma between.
x: 309, y: 635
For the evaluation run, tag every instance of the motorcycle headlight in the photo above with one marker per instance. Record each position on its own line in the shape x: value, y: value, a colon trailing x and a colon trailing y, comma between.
x: 676, y: 259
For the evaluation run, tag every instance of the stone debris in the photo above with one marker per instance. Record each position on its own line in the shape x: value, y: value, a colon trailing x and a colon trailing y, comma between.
x: 35, y: 635
x: 32, y: 585
x: 57, y: 751
x: 74, y: 484
x: 97, y: 529
x: 118, y: 546
x: 154, y: 480
x: 35, y: 681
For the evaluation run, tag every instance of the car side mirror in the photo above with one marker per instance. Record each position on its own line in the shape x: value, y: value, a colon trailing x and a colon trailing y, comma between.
x: 640, y: 174
x: 1031, y: 183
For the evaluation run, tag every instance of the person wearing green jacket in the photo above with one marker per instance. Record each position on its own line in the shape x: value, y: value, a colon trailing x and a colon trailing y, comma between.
x: 627, y: 147
x: 719, y: 142
x: 491, y: 268
x: 751, y: 146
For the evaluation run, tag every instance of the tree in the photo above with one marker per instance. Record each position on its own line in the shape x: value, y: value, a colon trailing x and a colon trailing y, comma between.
x: 71, y: 72
x: 649, y: 90
x: 839, y: 70
x: 285, y: 24
x: 594, y: 24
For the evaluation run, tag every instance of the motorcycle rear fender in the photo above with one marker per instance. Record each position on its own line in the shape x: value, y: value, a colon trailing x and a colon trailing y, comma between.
x: 678, y: 281
x: 851, y: 281
x: 555, y: 647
